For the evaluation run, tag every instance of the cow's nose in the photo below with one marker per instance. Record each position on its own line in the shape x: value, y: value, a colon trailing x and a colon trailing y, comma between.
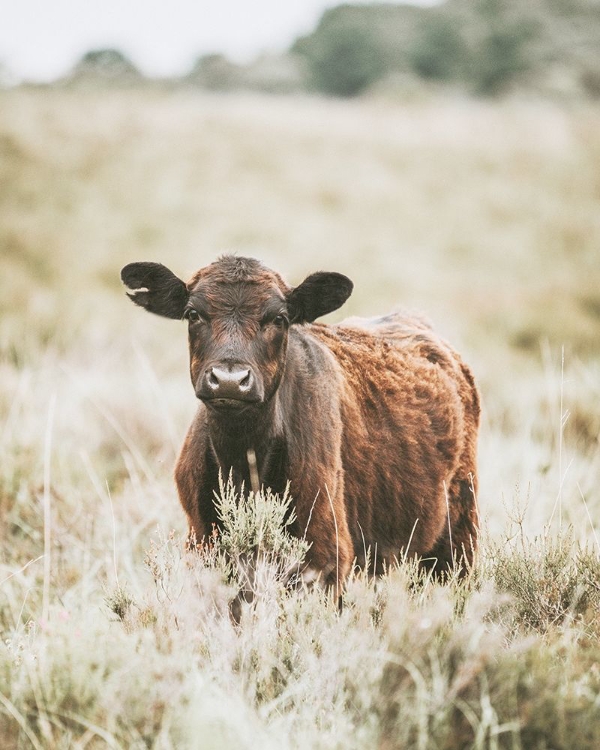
x: 236, y: 383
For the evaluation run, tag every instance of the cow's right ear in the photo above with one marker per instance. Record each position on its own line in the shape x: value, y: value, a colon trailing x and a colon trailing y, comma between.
x: 155, y: 288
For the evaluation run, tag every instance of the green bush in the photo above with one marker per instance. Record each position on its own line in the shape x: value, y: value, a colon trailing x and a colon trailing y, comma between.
x: 346, y: 60
x: 215, y: 72
x: 501, y: 57
x: 440, y: 52
x: 106, y: 65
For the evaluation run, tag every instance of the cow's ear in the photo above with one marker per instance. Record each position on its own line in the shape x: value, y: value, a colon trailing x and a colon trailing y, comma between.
x: 319, y: 294
x: 155, y: 288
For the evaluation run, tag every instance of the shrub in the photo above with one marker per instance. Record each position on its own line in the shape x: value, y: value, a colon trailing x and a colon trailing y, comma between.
x: 348, y: 62
x: 439, y: 52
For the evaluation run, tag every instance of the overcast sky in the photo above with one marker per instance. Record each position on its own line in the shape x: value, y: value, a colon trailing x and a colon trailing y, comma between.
x: 41, y: 39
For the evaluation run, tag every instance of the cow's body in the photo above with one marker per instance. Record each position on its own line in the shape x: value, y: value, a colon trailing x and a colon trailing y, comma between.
x: 372, y: 422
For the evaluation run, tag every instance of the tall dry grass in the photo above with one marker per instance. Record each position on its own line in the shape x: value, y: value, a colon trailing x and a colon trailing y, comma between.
x: 483, y: 216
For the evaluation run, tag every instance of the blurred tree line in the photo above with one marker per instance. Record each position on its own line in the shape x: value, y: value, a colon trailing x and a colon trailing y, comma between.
x: 481, y: 47
x: 485, y: 47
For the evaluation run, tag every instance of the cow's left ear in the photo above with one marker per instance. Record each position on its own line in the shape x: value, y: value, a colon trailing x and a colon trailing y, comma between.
x: 319, y: 294
x: 156, y: 289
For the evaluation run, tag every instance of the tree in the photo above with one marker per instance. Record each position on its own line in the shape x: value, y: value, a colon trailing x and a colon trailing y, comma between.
x: 108, y: 65
x: 502, y: 53
x: 344, y: 54
x: 215, y: 72
x: 439, y: 52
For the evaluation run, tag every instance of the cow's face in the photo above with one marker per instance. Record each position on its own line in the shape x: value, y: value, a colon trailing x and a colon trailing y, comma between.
x: 238, y: 322
x: 238, y: 314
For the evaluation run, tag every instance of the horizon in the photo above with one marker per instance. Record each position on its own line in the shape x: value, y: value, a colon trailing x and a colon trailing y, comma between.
x: 40, y: 43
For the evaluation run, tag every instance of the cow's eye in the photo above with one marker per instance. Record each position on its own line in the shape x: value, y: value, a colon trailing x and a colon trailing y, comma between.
x: 193, y: 315
x: 273, y: 320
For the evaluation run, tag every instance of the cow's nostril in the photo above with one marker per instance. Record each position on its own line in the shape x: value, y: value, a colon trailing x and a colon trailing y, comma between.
x: 245, y: 381
x: 213, y: 380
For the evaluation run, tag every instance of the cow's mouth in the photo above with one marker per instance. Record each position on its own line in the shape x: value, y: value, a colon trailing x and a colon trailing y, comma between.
x: 229, y: 405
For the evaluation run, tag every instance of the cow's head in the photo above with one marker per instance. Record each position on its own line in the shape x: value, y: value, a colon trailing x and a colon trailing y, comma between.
x: 238, y: 314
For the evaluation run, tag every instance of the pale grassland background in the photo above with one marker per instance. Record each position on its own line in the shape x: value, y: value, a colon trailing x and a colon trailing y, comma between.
x: 484, y: 216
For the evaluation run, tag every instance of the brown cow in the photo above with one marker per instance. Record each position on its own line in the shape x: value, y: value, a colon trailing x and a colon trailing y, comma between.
x: 373, y: 422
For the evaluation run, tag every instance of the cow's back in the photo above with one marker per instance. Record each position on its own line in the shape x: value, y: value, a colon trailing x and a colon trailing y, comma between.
x: 410, y: 413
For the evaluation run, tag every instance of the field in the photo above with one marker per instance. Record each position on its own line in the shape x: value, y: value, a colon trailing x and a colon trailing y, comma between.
x: 486, y: 217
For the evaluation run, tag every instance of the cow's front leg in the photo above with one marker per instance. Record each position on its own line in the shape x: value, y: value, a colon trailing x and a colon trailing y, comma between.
x: 324, y: 525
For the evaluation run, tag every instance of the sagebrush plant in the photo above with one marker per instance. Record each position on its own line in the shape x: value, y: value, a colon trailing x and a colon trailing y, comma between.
x: 114, y: 633
x: 119, y: 601
x: 257, y: 523
x: 550, y: 579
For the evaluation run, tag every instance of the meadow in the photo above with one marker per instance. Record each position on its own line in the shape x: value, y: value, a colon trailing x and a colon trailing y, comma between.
x: 485, y: 217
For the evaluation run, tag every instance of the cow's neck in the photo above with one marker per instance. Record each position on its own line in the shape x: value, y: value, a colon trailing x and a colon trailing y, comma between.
x: 232, y: 438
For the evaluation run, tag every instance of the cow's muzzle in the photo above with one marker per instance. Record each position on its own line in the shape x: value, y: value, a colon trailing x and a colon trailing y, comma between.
x: 228, y: 387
